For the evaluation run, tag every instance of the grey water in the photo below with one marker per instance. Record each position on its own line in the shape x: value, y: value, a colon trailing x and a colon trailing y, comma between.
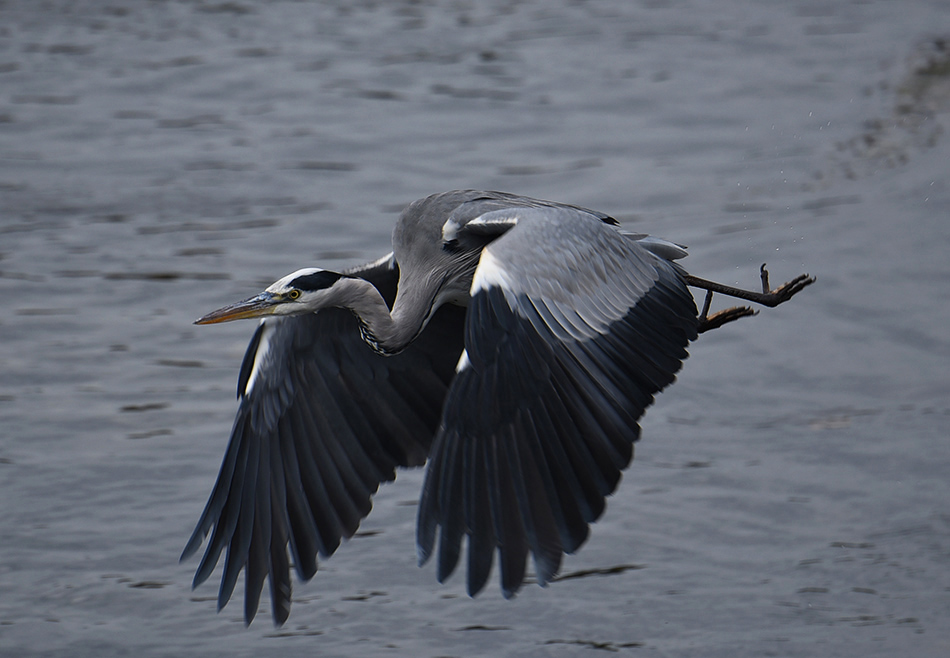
x: 790, y: 493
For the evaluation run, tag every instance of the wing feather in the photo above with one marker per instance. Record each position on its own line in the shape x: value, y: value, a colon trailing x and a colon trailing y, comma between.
x: 509, y: 524
x: 478, y: 516
x: 450, y: 541
x: 305, y: 541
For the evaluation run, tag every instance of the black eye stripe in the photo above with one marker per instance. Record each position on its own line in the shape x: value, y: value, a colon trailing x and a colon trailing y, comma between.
x: 316, y: 281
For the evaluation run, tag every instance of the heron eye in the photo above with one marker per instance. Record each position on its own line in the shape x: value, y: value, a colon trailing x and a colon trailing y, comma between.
x: 294, y: 294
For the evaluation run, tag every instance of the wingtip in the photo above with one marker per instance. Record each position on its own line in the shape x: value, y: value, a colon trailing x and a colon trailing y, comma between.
x: 189, y: 549
x: 281, y: 614
x: 421, y: 557
x: 509, y: 593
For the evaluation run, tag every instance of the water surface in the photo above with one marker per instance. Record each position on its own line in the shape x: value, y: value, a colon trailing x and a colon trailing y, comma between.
x: 158, y: 160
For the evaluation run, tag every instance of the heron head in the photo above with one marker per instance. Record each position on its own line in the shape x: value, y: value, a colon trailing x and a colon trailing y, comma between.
x: 303, y: 291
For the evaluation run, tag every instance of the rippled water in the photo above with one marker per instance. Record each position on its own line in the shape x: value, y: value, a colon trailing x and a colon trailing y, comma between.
x: 160, y: 159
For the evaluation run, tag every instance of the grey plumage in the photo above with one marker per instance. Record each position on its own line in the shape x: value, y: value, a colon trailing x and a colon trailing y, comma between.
x: 515, y: 344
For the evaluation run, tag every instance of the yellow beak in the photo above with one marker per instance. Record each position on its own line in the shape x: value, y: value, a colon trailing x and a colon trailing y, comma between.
x: 253, y: 307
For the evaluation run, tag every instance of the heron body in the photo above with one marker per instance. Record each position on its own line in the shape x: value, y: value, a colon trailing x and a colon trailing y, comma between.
x: 511, y: 343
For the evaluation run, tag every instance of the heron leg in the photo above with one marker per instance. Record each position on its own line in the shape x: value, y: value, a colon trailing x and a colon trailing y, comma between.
x: 767, y: 297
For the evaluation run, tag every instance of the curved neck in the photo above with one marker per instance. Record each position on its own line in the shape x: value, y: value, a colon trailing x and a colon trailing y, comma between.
x: 386, y: 332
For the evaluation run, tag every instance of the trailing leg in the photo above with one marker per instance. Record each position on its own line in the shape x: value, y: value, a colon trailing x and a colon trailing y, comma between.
x: 767, y: 297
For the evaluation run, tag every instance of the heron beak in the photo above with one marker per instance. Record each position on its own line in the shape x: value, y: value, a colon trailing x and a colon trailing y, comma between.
x: 253, y: 307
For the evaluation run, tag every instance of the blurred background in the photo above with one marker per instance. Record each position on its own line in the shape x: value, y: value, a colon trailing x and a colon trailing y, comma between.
x: 160, y: 159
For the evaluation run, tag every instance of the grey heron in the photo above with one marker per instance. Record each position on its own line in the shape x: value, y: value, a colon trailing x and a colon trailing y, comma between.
x: 511, y: 343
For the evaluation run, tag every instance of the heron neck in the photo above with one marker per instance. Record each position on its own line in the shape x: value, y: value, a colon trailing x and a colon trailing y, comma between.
x: 386, y: 332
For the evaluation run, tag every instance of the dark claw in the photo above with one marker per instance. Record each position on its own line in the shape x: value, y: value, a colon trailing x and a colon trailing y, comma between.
x: 764, y: 274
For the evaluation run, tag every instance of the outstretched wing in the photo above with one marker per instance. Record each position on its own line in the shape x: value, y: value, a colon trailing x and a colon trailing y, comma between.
x: 323, y: 420
x: 571, y: 330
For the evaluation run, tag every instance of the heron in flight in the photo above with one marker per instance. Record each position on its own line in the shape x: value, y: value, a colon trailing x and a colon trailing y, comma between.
x: 511, y: 343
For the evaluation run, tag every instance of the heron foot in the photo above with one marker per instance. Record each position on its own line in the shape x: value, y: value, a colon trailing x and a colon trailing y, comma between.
x: 767, y: 297
x: 784, y: 292
x: 719, y: 318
